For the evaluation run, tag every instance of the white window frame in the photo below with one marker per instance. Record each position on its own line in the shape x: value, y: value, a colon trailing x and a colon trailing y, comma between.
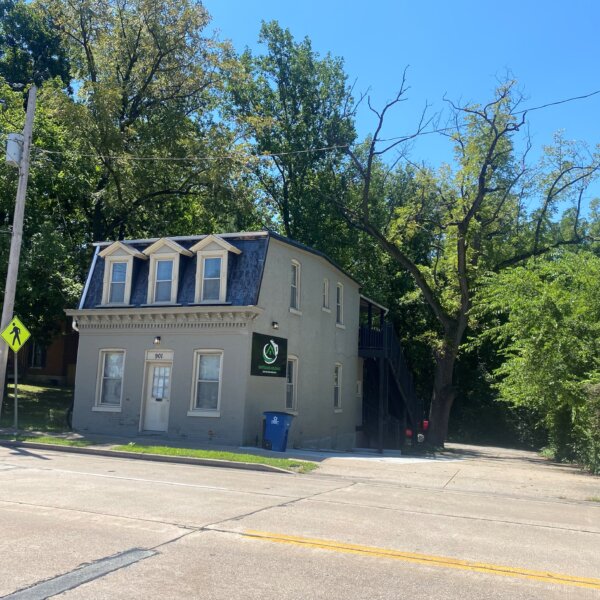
x: 325, y: 296
x: 98, y: 405
x: 298, y: 287
x: 339, y: 305
x: 294, y: 360
x: 201, y: 256
x: 118, y: 252
x: 109, y: 261
x: 337, y: 374
x: 203, y: 412
x: 154, y: 260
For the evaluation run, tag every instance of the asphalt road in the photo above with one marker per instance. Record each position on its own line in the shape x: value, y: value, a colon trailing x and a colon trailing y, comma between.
x: 482, y: 524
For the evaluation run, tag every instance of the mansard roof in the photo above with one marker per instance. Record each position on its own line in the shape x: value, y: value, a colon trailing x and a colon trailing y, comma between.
x: 246, y: 262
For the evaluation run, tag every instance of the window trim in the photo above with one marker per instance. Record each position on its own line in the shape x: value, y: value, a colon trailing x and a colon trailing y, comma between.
x: 204, y: 412
x: 337, y: 370
x: 298, y: 286
x: 98, y: 405
x: 325, y: 296
x: 200, y: 256
x: 109, y: 261
x: 294, y: 408
x: 154, y: 260
x: 339, y: 305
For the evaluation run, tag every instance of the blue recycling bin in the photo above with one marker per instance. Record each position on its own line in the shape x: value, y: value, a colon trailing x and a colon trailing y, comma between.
x: 277, y: 425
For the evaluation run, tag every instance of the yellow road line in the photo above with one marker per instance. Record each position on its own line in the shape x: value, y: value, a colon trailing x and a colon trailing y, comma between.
x: 427, y: 559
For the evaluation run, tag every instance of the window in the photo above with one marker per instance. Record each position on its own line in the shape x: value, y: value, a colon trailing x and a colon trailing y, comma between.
x: 163, y: 275
x: 337, y: 386
x: 37, y: 355
x: 111, y: 379
x: 291, y: 383
x: 211, y: 278
x: 118, y: 277
x: 339, y: 304
x: 325, y: 304
x: 118, y: 269
x: 163, y: 280
x: 295, y: 286
x: 211, y: 268
x: 206, y: 395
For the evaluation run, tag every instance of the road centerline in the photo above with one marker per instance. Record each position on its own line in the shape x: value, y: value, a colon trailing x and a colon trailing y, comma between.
x: 426, y: 559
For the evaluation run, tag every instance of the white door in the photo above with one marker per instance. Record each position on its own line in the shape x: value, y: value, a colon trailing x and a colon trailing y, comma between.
x: 158, y: 392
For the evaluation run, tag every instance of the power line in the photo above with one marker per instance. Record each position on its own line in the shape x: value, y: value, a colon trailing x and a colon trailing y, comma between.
x: 196, y: 158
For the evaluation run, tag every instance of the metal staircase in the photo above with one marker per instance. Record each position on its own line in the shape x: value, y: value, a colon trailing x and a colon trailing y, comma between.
x: 383, y: 344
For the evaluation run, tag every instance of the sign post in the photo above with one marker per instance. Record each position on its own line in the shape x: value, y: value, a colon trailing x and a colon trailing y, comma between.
x: 15, y: 335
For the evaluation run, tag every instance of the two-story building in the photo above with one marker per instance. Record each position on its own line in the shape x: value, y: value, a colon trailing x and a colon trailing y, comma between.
x: 195, y: 337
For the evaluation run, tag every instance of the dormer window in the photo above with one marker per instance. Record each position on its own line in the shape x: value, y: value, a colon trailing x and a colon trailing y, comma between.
x: 211, y: 278
x: 163, y: 277
x: 118, y: 271
x: 211, y: 271
x: 164, y: 281
x: 118, y: 280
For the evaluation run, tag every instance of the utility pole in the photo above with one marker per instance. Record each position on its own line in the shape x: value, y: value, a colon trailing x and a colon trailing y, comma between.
x: 17, y: 236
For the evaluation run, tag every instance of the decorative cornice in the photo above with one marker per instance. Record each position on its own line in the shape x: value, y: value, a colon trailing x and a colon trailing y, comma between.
x: 175, y: 317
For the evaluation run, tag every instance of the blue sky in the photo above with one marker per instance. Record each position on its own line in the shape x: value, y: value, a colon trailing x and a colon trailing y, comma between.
x: 457, y: 48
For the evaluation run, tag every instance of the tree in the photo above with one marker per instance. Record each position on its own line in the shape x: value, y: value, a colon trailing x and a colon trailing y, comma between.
x: 546, y: 323
x: 296, y: 107
x: 474, y: 217
x: 30, y: 49
x: 148, y: 85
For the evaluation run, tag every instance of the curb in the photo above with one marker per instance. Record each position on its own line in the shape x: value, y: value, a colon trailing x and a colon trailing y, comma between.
x: 186, y: 460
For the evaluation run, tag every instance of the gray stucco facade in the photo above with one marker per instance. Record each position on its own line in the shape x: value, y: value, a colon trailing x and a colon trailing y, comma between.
x: 181, y: 366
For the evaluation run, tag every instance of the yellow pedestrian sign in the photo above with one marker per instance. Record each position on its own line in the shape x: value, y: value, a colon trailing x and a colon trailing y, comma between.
x: 16, y: 334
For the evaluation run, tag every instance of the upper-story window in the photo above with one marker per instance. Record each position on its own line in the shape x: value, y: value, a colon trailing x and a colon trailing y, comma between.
x: 339, y: 304
x: 118, y: 272
x: 211, y: 271
x: 163, y: 277
x: 211, y: 278
x: 164, y: 280
x: 118, y: 281
x: 295, y: 286
x: 325, y: 295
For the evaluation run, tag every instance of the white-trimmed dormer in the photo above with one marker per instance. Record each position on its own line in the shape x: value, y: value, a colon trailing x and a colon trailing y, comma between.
x: 163, y: 273
x: 211, y: 270
x: 118, y: 272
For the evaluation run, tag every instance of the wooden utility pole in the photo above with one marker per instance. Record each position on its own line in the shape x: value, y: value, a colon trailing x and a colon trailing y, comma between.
x: 17, y: 236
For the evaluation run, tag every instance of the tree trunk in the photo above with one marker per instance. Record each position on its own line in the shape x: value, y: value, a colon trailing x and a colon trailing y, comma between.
x: 443, y: 394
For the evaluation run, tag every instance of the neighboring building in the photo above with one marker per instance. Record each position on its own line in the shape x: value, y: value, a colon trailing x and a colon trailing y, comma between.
x: 50, y: 363
x: 195, y: 337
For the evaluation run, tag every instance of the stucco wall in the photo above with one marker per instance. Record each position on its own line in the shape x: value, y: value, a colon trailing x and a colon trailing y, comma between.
x: 225, y: 429
x: 317, y: 342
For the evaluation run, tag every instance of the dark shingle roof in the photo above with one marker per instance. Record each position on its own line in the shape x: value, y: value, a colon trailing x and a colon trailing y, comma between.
x: 243, y: 279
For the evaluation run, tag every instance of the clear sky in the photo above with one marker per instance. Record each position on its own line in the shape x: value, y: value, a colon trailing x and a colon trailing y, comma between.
x: 457, y: 48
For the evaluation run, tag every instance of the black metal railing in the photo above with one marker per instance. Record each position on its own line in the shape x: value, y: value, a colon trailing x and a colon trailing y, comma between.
x: 387, y: 342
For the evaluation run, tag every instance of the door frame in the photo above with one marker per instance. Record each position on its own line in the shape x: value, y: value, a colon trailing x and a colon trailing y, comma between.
x: 152, y: 359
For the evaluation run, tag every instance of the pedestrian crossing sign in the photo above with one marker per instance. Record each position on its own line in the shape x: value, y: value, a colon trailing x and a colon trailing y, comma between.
x: 16, y: 334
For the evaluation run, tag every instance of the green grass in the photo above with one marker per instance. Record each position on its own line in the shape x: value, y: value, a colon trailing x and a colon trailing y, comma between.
x: 40, y: 407
x: 298, y: 466
x: 593, y: 499
x: 47, y: 439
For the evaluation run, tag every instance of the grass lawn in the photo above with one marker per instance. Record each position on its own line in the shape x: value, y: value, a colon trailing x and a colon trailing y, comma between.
x: 40, y: 408
x: 290, y: 464
x: 47, y: 439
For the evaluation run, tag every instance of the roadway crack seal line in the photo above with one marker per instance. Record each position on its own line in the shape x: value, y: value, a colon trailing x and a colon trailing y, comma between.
x: 426, y: 559
x: 80, y: 575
